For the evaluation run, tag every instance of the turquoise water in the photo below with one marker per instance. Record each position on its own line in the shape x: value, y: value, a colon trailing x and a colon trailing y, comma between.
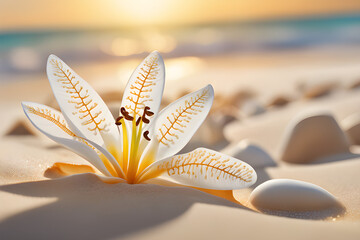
x: 204, y: 40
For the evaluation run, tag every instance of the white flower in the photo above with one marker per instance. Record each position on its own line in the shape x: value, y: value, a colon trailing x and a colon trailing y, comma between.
x: 141, y: 143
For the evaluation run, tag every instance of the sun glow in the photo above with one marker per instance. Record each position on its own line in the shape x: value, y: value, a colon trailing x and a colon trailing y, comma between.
x: 144, y: 11
x: 125, y: 46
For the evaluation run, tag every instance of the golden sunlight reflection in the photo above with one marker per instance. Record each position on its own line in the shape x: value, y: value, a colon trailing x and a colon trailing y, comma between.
x: 123, y: 47
x: 176, y: 69
x: 179, y: 68
x: 163, y: 43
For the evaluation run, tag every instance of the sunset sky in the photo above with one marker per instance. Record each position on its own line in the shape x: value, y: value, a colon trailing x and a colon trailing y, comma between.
x: 40, y: 14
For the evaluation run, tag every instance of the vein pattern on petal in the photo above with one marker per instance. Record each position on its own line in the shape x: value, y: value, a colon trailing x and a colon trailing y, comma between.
x: 179, y: 119
x: 145, y: 86
x: 58, y: 120
x: 211, y: 165
x: 204, y: 168
x: 139, y: 89
x: 53, y: 124
x: 80, y: 97
x: 177, y: 123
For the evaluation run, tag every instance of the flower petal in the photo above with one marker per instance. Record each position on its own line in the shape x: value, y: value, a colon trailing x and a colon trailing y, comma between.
x: 66, y: 169
x: 52, y: 123
x: 178, y: 122
x: 80, y: 104
x: 145, y: 86
x: 203, y: 168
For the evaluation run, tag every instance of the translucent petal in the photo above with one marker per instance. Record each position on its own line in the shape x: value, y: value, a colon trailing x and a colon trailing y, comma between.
x: 108, y: 159
x: 148, y: 156
x: 67, y: 169
x: 177, y: 123
x: 84, y: 110
x: 203, y: 168
x: 52, y: 123
x: 145, y: 86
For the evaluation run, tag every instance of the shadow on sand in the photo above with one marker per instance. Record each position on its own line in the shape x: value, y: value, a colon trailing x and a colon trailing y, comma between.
x: 336, y: 158
x: 85, y: 203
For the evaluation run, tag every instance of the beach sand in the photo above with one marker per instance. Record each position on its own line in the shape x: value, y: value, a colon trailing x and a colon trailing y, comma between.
x: 34, y: 205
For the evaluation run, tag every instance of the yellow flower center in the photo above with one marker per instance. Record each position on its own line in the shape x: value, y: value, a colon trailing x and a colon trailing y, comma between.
x: 131, y: 147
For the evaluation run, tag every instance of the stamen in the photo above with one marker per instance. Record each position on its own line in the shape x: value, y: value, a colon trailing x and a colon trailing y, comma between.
x: 126, y: 114
x: 146, y: 135
x: 125, y: 146
x: 138, y: 121
x: 145, y: 120
x: 118, y: 120
x: 148, y: 112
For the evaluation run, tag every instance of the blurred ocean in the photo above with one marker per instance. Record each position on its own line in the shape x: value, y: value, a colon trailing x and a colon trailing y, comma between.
x: 26, y: 52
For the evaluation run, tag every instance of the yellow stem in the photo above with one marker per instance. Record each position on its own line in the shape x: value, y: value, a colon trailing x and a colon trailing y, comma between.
x: 126, y: 146
x: 132, y: 164
x: 135, y: 156
x: 138, y: 137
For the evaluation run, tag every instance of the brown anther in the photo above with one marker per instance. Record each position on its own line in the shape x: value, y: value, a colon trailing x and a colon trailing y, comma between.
x: 146, y: 135
x: 144, y: 119
x: 148, y: 112
x: 118, y: 120
x: 138, y: 121
x: 126, y: 114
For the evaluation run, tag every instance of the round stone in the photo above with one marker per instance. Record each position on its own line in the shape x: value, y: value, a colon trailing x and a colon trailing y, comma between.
x: 291, y: 195
x: 312, y: 137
